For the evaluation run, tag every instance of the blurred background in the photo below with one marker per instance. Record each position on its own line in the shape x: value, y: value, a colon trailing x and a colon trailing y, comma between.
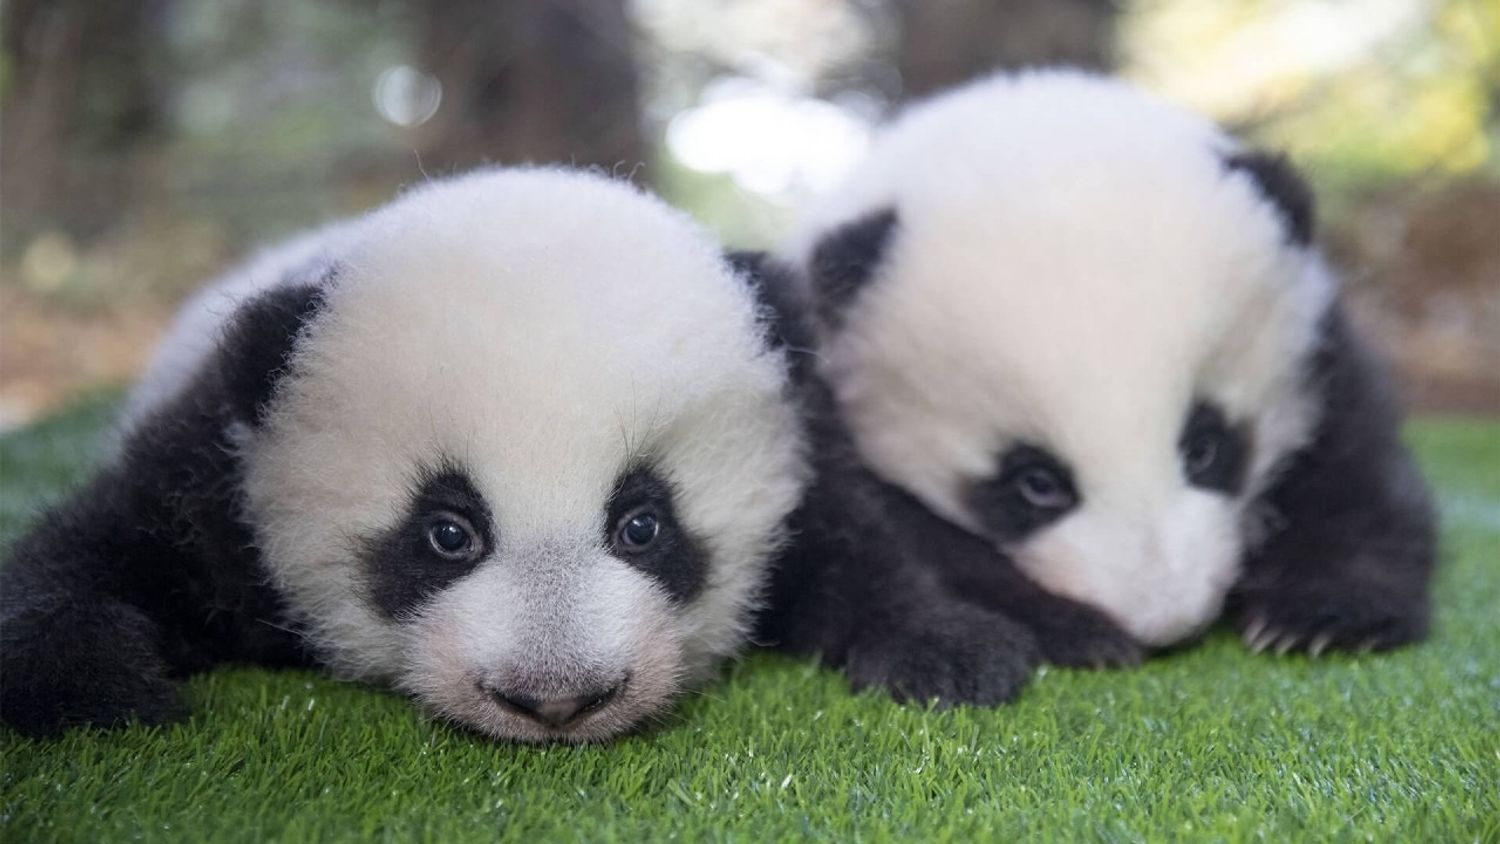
x: 145, y: 144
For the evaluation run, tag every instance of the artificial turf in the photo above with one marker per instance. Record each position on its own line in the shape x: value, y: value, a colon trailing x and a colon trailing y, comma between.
x: 1213, y: 743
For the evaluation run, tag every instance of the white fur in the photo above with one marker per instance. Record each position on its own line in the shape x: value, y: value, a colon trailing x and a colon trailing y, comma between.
x: 1072, y: 266
x: 542, y: 328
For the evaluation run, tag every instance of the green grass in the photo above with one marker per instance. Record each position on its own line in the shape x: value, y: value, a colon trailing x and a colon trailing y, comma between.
x: 1210, y: 744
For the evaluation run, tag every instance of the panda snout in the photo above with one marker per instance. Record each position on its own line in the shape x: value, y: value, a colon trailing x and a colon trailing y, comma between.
x: 553, y: 711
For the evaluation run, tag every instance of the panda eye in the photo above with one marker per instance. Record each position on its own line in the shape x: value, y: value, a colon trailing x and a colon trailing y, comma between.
x: 1043, y: 489
x: 451, y: 536
x: 1200, y: 453
x: 1030, y: 489
x: 1213, y: 452
x: 638, y: 531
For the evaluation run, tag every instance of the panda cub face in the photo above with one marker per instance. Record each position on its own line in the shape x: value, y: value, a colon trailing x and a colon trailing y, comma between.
x: 529, y: 458
x: 1075, y: 321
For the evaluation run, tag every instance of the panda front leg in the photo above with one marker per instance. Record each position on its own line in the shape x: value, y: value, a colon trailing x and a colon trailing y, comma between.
x: 911, y: 632
x: 1065, y: 632
x: 860, y: 592
x: 1352, y: 538
x: 923, y: 644
x: 148, y: 571
x: 72, y: 650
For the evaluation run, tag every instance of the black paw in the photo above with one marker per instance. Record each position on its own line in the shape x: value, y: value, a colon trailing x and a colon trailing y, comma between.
x: 94, y: 663
x: 1080, y: 637
x: 1318, y: 618
x: 968, y: 655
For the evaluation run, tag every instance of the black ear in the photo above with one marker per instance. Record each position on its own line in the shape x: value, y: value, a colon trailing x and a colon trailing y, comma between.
x: 1281, y: 184
x: 258, y: 341
x: 783, y: 313
x: 845, y: 260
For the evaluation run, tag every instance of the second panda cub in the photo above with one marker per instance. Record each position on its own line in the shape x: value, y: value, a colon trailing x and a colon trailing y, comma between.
x: 1089, y: 344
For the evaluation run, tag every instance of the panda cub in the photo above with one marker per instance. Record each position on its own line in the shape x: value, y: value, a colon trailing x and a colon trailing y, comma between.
x: 516, y: 444
x: 1088, y: 342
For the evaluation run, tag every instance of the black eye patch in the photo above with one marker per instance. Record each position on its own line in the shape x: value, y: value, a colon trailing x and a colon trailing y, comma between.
x: 641, y: 528
x: 1213, y: 452
x: 445, y: 531
x: 1030, y: 489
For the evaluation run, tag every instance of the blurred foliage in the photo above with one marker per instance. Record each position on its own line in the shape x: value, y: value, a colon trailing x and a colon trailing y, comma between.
x: 268, y: 116
x: 253, y: 80
x: 1362, y: 93
x: 270, y: 124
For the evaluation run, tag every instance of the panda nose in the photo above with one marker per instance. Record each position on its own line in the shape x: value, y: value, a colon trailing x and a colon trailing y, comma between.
x: 553, y: 712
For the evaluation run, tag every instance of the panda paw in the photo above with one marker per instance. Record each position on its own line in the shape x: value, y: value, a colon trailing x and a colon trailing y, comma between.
x: 968, y: 655
x: 93, y: 662
x: 1315, y: 619
x: 1080, y: 637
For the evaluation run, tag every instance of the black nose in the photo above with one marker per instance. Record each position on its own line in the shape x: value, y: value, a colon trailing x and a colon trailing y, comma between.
x: 553, y: 712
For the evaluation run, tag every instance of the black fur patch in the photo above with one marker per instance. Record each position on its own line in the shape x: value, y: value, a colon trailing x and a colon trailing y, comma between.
x: 1215, y: 454
x: 73, y: 654
x: 1349, y: 563
x: 147, y: 573
x: 1279, y: 182
x: 675, y: 559
x: 844, y: 261
x: 862, y: 588
x: 258, y: 342
x: 1001, y: 504
x: 775, y: 288
x: 402, y: 568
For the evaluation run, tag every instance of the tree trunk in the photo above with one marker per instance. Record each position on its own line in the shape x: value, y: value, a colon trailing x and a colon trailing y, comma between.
x: 531, y: 81
x: 944, y: 42
x: 82, y: 99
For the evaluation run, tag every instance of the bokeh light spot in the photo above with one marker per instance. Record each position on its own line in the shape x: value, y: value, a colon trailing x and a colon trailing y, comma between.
x: 406, y: 96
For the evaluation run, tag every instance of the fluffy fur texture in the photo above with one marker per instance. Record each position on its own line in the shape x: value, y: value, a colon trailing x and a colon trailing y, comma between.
x: 855, y: 586
x: 194, y: 334
x: 1092, y: 329
x: 519, y: 363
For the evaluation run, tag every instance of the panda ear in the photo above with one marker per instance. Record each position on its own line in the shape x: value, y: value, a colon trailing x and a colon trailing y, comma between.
x: 1280, y: 183
x: 844, y: 261
x: 258, y: 343
x: 782, y: 311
